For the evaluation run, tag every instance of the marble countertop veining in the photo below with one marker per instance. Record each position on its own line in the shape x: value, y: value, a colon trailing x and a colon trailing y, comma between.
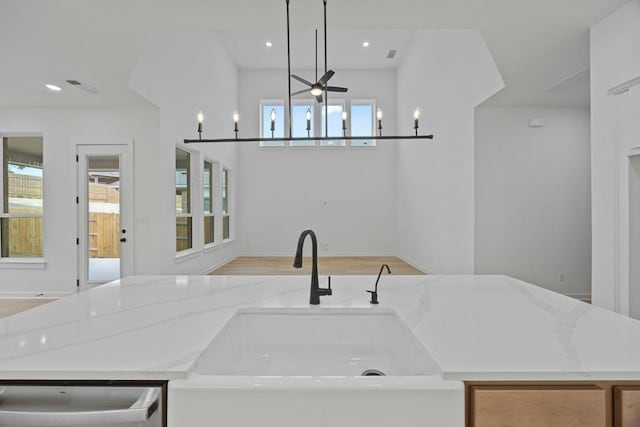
x: 474, y: 327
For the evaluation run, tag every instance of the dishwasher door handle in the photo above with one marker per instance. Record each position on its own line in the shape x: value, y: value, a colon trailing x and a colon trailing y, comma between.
x: 140, y: 411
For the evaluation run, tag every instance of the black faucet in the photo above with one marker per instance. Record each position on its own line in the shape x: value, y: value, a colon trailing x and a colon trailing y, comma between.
x: 374, y: 293
x: 316, y: 291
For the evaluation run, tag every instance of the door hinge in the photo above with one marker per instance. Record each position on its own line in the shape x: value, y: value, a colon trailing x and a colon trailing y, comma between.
x: 77, y: 158
x: 78, y: 282
x: 77, y: 200
x: 77, y: 240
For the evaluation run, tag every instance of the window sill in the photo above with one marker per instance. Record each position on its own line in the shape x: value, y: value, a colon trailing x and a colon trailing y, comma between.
x: 23, y: 264
x: 187, y: 255
x: 212, y: 247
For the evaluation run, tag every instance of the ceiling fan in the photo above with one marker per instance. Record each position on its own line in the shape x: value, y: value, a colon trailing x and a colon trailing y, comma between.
x: 320, y: 85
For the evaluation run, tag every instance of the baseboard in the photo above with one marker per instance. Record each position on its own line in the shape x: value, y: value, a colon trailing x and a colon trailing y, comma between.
x: 320, y: 254
x: 414, y: 265
x: 34, y: 295
x: 581, y: 297
x: 217, y: 266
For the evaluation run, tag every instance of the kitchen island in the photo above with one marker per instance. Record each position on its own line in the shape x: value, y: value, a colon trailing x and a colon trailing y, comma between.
x: 475, y: 328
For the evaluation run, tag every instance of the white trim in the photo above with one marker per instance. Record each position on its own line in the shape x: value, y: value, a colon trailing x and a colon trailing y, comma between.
x: 213, y: 247
x: 216, y: 266
x: 124, y: 149
x: 581, y: 297
x: 624, y: 87
x: 187, y: 254
x: 617, y: 262
x: 23, y: 264
x: 285, y: 127
x: 414, y: 265
x: 35, y: 296
x: 16, y: 261
x: 365, y: 102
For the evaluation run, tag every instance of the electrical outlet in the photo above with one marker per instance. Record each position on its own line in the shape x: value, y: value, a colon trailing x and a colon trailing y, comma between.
x: 562, y: 277
x: 325, y: 247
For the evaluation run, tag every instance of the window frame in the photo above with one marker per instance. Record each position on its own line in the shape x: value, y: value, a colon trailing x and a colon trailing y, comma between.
x: 190, y: 187
x: 4, y: 188
x: 342, y: 102
x: 285, y: 120
x: 226, y: 187
x: 363, y: 101
x: 212, y: 201
x: 314, y: 128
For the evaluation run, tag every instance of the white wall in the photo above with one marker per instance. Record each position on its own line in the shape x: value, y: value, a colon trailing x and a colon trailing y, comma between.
x: 344, y: 194
x: 446, y: 73
x: 532, y: 199
x: 62, y: 130
x: 183, y: 73
x: 161, y: 75
x: 615, y: 60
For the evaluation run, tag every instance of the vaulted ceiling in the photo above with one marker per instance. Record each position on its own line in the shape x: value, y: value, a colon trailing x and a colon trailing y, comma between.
x: 541, y: 47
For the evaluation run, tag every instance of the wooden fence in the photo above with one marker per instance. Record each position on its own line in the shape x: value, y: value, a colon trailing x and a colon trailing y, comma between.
x: 104, y: 235
x: 22, y: 237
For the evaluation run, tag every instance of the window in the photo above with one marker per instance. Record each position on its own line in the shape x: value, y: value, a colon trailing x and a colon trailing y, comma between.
x: 362, y: 122
x: 21, y: 231
x: 269, y: 110
x: 335, y: 110
x: 184, y: 218
x: 299, y: 123
x: 226, y: 227
x: 208, y: 205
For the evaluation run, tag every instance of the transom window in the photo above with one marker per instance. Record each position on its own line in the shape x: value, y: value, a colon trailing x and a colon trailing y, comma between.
x: 272, y: 117
x: 308, y: 120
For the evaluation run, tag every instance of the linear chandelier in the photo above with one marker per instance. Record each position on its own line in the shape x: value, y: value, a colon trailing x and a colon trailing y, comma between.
x: 315, y: 91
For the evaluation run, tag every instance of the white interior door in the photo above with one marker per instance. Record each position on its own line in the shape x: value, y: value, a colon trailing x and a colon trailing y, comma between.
x: 105, y: 213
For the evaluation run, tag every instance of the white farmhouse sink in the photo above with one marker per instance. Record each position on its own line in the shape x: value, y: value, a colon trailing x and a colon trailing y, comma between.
x: 315, y: 342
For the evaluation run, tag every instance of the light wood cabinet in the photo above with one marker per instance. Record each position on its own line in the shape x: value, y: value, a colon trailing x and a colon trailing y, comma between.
x: 626, y: 403
x: 538, y: 406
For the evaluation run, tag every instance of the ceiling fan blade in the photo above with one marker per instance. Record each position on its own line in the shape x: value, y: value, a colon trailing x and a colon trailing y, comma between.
x: 336, y: 89
x: 300, y: 79
x: 319, y: 99
x: 300, y: 92
x: 324, y: 79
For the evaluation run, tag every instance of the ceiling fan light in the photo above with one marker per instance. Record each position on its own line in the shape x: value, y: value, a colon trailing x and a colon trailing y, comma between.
x: 315, y: 91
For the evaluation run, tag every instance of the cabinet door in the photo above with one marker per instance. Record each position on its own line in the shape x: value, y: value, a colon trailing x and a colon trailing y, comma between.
x: 626, y: 406
x: 538, y: 406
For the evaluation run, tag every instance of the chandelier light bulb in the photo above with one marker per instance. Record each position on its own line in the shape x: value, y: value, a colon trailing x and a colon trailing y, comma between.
x: 416, y: 114
x: 236, y: 117
x: 200, y: 117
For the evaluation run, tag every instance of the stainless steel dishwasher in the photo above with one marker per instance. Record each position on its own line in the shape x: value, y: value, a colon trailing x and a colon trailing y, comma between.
x: 81, y: 405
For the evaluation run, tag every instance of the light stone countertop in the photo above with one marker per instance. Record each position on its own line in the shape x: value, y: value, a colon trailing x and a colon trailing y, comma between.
x: 474, y: 327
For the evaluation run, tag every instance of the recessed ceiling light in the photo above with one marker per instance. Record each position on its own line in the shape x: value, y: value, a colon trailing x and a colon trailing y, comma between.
x: 53, y: 87
x: 365, y: 44
x: 268, y: 44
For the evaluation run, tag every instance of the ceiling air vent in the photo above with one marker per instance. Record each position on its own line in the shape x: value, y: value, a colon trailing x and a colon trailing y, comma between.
x: 84, y: 87
x: 392, y: 54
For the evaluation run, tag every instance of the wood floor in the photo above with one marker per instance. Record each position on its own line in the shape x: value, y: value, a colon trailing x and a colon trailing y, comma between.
x: 9, y: 306
x: 326, y: 265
